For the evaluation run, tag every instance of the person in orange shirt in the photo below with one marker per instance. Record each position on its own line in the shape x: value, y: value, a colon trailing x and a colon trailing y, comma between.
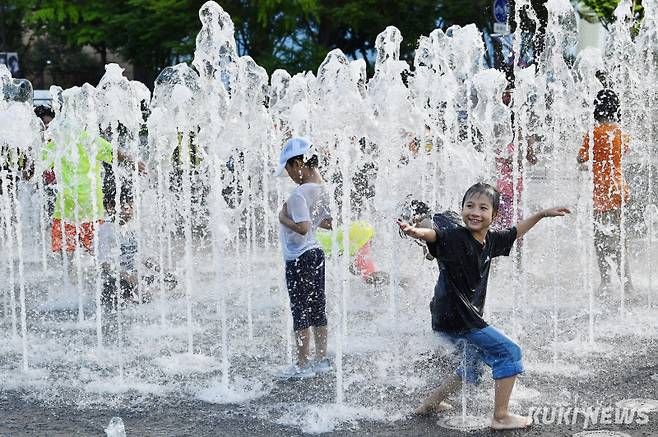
x: 611, y: 191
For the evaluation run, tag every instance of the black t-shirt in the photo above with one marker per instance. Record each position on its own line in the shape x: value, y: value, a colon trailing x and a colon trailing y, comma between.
x: 464, y: 263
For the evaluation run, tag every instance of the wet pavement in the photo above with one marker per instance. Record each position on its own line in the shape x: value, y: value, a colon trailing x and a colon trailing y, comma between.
x: 390, y: 362
x: 23, y: 413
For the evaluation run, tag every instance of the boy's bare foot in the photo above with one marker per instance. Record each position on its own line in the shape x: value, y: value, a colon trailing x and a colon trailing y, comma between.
x: 510, y: 421
x: 429, y: 408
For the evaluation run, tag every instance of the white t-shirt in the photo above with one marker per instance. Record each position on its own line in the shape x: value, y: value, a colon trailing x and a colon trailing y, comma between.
x: 116, y: 240
x: 308, y: 202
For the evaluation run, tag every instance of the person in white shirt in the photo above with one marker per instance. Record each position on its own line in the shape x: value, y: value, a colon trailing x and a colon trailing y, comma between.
x: 306, y: 210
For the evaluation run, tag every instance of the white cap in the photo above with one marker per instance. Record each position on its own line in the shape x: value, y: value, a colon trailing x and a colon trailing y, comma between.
x: 294, y: 147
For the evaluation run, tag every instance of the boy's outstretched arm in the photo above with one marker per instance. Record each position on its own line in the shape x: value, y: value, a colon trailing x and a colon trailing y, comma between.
x: 524, y: 226
x: 424, y: 234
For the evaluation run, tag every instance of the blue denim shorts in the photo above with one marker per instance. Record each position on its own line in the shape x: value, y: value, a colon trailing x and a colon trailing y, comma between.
x: 485, y: 346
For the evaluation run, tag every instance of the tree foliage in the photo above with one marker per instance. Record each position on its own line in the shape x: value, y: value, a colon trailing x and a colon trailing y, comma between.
x: 148, y: 33
x: 298, y: 35
x: 291, y: 34
x: 604, y: 10
x: 77, y: 23
x: 12, y: 14
x: 353, y: 26
x: 479, y: 12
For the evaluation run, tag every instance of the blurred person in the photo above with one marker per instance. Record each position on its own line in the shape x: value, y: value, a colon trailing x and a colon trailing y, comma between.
x: 117, y: 240
x: 78, y: 211
x: 15, y: 163
x: 505, y: 184
x: 611, y: 191
x: 360, y: 236
x: 46, y: 115
x: 198, y: 176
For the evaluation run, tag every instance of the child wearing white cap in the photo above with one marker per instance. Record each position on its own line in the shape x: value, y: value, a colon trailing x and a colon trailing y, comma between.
x: 306, y: 209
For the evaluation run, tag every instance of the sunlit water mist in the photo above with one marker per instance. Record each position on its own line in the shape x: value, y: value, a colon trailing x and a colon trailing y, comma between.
x: 206, y: 211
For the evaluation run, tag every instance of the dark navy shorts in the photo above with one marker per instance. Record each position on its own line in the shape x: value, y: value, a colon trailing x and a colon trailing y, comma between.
x: 305, y: 280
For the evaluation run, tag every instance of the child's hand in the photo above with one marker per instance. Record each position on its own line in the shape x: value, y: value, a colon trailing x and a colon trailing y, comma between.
x: 556, y: 212
x: 408, y: 229
x: 283, y: 214
x: 141, y: 167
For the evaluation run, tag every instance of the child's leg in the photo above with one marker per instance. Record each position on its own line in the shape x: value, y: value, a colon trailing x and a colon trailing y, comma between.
x: 434, y: 402
x: 504, y: 357
x: 320, y: 337
x: 503, y: 419
x: 601, y: 246
x: 56, y: 236
x: 619, y: 250
x: 86, y: 235
x: 317, y: 302
x: 300, y: 323
x: 109, y: 294
x: 469, y: 371
x: 503, y: 391
x: 303, y: 340
x: 71, y: 236
x: 626, y: 280
x: 63, y: 233
x: 128, y: 284
x: 302, y: 288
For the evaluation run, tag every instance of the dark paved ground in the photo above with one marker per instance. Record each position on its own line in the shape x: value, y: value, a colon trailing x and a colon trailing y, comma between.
x: 390, y: 365
x: 21, y: 414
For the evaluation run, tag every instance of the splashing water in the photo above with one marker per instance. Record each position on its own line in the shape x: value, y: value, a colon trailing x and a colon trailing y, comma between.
x: 115, y: 428
x: 212, y: 313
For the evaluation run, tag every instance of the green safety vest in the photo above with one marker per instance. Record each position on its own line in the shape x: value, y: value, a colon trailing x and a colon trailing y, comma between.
x: 75, y: 178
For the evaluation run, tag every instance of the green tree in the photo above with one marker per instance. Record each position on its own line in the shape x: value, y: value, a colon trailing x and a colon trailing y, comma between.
x: 75, y: 23
x: 41, y: 53
x: 294, y: 34
x: 12, y: 14
x: 353, y: 25
x: 604, y: 10
x: 153, y: 33
x: 479, y: 12
x: 273, y: 32
x: 297, y: 35
x: 148, y: 33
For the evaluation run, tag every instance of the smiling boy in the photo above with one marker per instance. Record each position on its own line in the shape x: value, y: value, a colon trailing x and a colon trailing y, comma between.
x: 464, y: 255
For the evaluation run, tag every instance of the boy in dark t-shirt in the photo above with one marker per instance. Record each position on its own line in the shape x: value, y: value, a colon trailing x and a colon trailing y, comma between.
x: 464, y: 254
